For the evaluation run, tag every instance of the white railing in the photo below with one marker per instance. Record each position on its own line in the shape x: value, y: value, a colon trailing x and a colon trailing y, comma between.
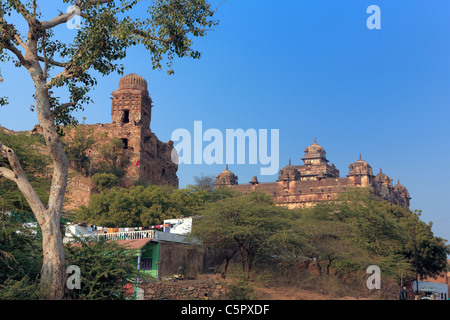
x: 130, y: 235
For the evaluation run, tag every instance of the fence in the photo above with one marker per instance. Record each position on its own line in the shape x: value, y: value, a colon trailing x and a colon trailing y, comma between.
x: 129, y: 235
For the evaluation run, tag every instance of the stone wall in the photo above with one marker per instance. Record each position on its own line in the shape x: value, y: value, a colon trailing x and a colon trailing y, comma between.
x: 195, y: 289
x: 174, y: 256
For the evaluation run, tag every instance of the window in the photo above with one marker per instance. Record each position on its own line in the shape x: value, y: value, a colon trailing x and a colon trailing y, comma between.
x: 125, y: 143
x: 126, y: 116
x: 146, y: 264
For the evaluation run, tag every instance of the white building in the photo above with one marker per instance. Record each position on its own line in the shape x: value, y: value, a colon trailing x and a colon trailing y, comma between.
x: 180, y: 226
x: 439, y: 290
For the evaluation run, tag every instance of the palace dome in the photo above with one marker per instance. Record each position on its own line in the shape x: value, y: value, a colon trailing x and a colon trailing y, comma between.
x: 360, y: 167
x: 226, y: 177
x: 289, y: 172
x: 133, y: 81
x: 314, y: 148
x: 381, y: 177
x: 399, y: 186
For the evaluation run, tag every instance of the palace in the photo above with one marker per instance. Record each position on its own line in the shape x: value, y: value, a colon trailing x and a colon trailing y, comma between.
x: 317, y: 180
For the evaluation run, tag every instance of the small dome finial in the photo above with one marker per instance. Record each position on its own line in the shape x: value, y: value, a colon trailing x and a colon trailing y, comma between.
x: 360, y: 156
x: 226, y: 168
x: 289, y: 161
x: 315, y: 140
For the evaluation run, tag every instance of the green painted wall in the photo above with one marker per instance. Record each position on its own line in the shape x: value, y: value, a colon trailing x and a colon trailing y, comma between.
x: 151, y: 251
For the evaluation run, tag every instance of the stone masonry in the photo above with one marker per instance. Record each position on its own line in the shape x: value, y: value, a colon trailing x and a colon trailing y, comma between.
x: 317, y: 180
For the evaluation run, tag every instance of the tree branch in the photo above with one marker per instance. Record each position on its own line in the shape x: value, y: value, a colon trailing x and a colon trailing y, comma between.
x: 53, y: 62
x: 17, y: 175
x: 18, y: 54
x: 7, y: 173
x: 63, y: 18
x: 20, y: 8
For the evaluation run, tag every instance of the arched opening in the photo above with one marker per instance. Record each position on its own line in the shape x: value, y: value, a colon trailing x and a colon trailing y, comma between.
x: 126, y: 116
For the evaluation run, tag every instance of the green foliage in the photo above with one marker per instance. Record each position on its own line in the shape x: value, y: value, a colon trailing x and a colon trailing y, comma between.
x: 427, y: 253
x: 78, y: 140
x: 140, y: 206
x: 35, y: 163
x: 164, y: 27
x: 23, y: 289
x: 105, y: 268
x: 336, y: 239
x: 243, y: 224
x: 20, y: 258
x: 114, y: 159
x: 105, y: 181
x: 378, y: 232
x: 19, y: 250
x: 240, y: 291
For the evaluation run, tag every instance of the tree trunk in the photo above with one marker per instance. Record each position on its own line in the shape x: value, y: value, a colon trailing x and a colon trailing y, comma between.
x: 227, y: 261
x: 53, y: 276
x: 53, y: 269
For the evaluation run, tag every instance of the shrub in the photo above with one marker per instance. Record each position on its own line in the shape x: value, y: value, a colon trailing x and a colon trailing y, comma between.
x: 105, y: 181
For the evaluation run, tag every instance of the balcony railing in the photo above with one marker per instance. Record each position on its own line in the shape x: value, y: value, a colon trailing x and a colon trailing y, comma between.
x: 130, y: 235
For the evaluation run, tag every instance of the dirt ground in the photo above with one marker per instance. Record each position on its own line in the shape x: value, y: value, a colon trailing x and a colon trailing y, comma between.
x: 267, y: 292
x: 286, y: 293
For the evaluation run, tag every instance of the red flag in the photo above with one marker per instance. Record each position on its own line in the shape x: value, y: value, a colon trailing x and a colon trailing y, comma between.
x: 137, y: 163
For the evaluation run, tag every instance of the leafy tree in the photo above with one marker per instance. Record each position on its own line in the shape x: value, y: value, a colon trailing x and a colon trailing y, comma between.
x: 35, y: 163
x: 105, y: 181
x: 106, y: 33
x: 114, y: 159
x: 384, y: 234
x: 23, y: 289
x: 20, y: 258
x: 105, y: 269
x: 205, y: 182
x: 78, y: 140
x: 139, y: 206
x: 19, y: 251
x: 427, y: 253
x: 243, y: 225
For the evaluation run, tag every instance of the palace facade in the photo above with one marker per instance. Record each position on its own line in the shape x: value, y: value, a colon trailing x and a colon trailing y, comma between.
x: 318, y: 180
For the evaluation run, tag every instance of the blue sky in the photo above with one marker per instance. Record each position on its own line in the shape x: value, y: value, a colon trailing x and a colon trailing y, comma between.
x: 312, y: 69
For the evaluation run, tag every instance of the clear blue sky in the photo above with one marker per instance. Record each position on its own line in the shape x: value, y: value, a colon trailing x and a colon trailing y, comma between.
x: 312, y: 69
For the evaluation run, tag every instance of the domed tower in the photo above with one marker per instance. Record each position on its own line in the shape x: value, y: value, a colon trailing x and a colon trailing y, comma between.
x: 131, y: 104
x: 315, y: 154
x: 401, y: 195
x: 254, y: 183
x: 316, y: 165
x: 360, y: 173
x: 150, y: 158
x: 226, y: 178
x: 383, y: 179
x: 289, y: 173
x: 383, y: 185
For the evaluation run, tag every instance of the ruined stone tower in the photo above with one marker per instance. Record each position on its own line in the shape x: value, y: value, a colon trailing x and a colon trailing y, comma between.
x: 131, y: 113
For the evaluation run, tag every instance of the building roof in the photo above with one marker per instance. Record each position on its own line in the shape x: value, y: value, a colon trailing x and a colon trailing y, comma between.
x: 226, y: 177
x: 315, y: 151
x: 127, y: 244
x: 360, y: 167
x: 133, y: 81
x: 133, y: 244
